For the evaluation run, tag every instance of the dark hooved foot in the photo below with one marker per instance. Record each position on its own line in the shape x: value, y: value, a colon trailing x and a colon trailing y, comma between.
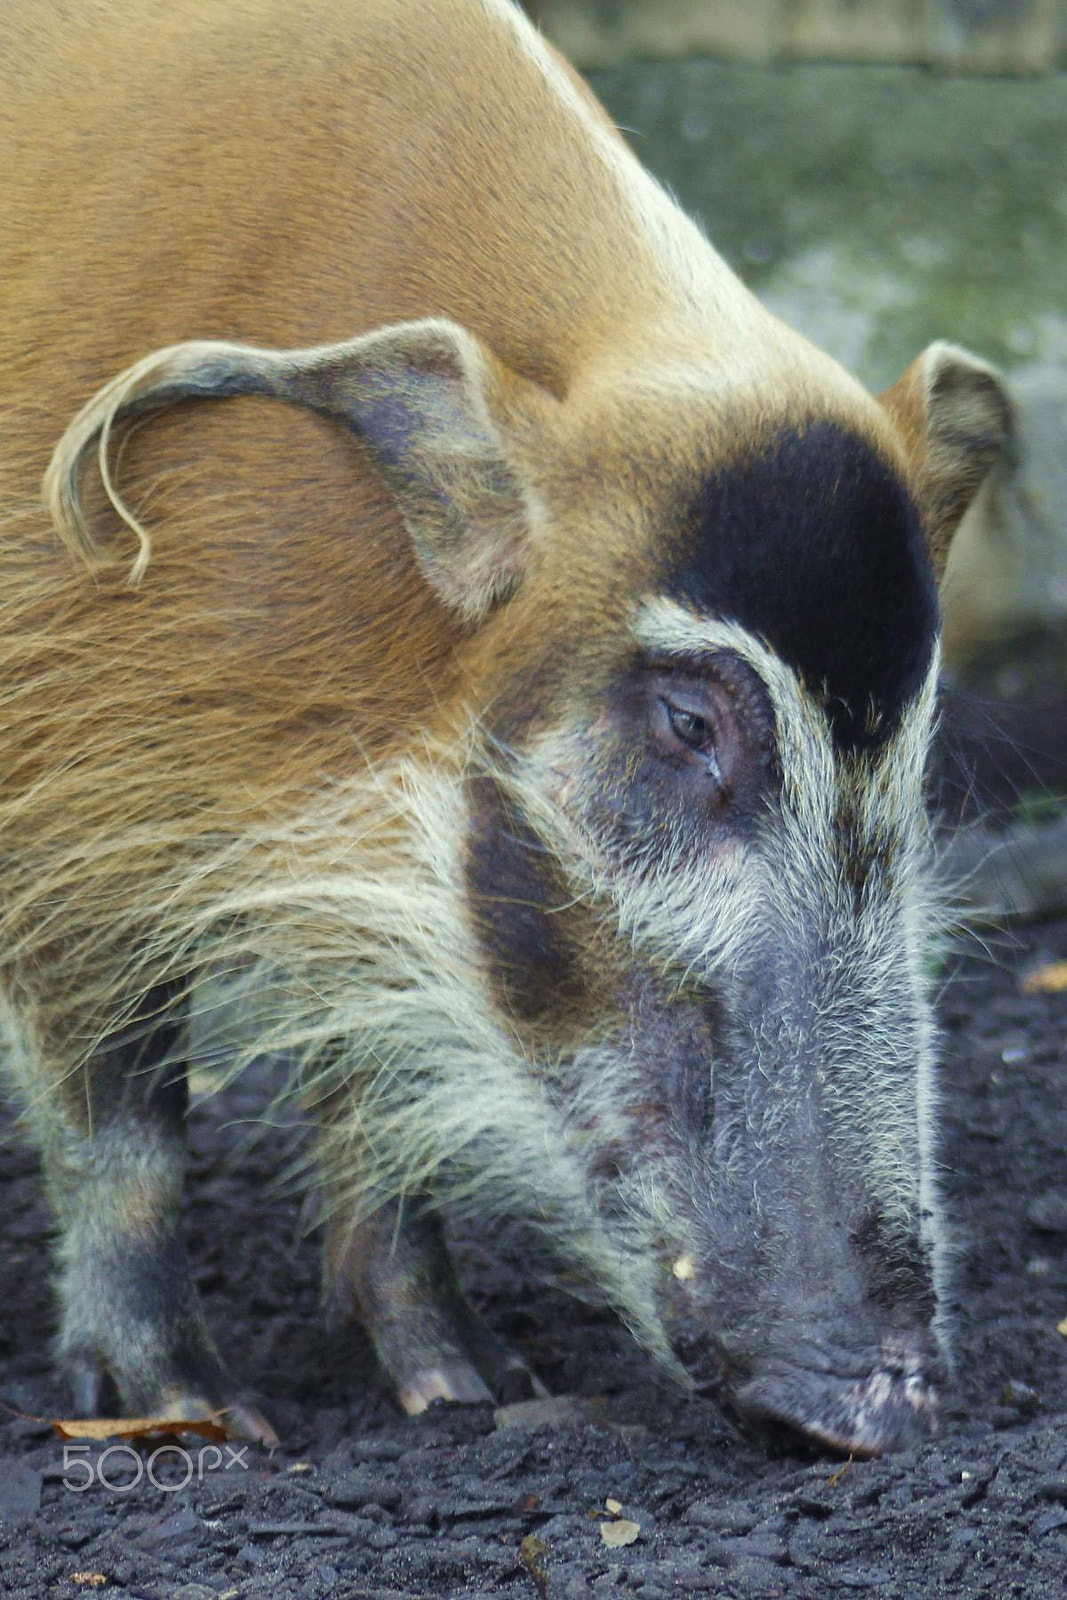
x: 396, y: 1279
x: 95, y: 1393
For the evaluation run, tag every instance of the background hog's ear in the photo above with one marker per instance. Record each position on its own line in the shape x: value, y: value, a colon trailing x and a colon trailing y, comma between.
x: 956, y: 418
x: 427, y: 398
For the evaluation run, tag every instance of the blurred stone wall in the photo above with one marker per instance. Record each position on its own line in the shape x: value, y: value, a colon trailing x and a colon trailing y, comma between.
x: 985, y: 36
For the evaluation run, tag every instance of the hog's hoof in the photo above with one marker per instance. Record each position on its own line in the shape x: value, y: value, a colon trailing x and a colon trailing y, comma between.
x: 478, y: 1368
x: 518, y: 1383
x: 508, y: 1376
x: 94, y: 1393
x: 240, y: 1419
x: 452, y: 1381
x: 458, y: 1382
x: 493, y: 1374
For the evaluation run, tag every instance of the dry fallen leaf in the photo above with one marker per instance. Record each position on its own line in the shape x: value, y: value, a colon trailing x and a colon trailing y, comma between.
x: 614, y: 1506
x: 138, y: 1427
x: 616, y: 1534
x: 532, y: 1552
x: 1050, y: 979
x: 89, y: 1580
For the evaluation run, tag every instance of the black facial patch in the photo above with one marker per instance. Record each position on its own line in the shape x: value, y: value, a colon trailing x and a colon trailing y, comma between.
x: 816, y: 547
x: 518, y: 898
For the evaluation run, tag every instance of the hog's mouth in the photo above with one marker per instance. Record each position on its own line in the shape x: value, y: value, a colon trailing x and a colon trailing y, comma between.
x: 873, y: 1400
x: 882, y: 1412
x: 861, y: 1403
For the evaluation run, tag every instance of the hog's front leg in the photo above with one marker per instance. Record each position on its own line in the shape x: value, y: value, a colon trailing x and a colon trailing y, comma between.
x: 113, y: 1151
x: 392, y: 1272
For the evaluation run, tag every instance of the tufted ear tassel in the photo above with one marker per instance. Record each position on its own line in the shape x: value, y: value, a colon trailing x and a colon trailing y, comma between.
x: 417, y: 393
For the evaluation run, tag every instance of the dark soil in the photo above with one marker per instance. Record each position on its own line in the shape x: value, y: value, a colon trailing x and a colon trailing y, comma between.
x: 465, y: 1502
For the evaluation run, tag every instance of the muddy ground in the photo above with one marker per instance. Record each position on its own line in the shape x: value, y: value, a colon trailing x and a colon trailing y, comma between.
x: 467, y: 1502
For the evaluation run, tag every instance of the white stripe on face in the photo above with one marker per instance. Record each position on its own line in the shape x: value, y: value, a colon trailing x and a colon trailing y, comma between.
x: 880, y: 943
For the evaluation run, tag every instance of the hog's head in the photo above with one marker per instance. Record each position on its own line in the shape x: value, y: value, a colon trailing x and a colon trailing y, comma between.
x: 708, y: 888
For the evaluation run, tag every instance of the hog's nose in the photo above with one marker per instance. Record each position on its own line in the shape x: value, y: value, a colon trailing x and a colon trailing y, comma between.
x: 891, y: 1405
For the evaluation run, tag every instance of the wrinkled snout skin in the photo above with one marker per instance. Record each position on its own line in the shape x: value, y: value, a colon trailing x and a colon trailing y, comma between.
x: 816, y: 1230
x: 509, y: 648
x: 816, y: 1281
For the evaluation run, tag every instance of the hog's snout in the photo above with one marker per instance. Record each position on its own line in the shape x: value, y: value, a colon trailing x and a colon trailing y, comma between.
x: 866, y: 1407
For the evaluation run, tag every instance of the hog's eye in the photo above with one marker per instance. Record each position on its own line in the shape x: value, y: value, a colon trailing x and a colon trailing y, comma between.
x: 688, y: 726
x: 696, y: 733
x: 710, y: 732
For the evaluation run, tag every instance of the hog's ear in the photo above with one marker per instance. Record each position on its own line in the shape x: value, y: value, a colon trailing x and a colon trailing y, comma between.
x: 956, y: 418
x: 422, y: 395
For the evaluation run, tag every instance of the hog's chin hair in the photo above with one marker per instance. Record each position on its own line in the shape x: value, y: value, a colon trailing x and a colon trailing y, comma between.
x: 357, y: 966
